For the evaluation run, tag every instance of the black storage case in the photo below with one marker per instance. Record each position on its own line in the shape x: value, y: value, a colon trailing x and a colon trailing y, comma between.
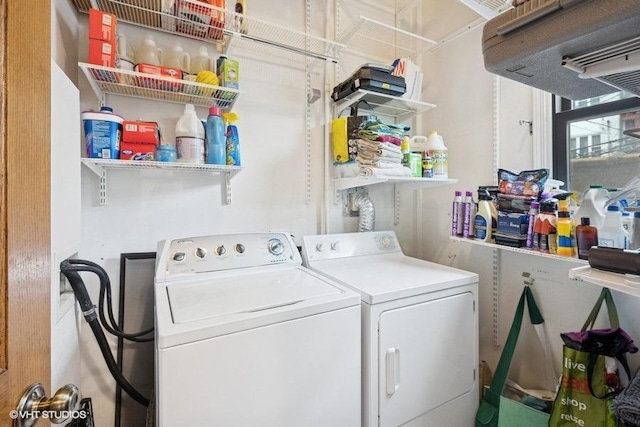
x: 372, y: 79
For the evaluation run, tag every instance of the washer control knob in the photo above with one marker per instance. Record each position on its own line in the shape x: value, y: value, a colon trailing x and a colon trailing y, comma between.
x: 319, y: 247
x: 275, y: 246
x: 385, y: 241
x: 201, y: 253
x: 221, y: 250
x: 179, y: 256
x: 240, y: 248
x: 335, y: 246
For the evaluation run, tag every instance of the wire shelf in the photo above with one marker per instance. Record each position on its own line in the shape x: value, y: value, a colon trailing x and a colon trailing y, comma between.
x: 106, y: 80
x: 98, y: 164
x: 201, y: 21
x: 385, y: 105
x: 387, y: 42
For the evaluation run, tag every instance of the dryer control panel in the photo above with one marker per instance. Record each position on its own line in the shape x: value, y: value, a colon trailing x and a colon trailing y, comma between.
x: 333, y: 246
x: 203, y: 254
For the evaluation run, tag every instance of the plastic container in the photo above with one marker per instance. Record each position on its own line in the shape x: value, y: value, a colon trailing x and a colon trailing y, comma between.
x: 592, y: 206
x: 634, y: 241
x: 166, y: 153
x: 564, y: 230
x: 468, y: 215
x: 216, y: 138
x: 439, y: 155
x: 534, y: 209
x: 190, y: 137
x: 148, y: 52
x: 586, y: 237
x: 486, y: 217
x: 232, y: 139
x: 202, y: 61
x: 102, y: 133
x: 612, y: 234
x: 177, y: 58
x: 456, y: 214
x: 544, y: 230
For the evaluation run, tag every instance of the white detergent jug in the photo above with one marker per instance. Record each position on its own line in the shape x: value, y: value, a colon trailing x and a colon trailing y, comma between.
x: 202, y: 61
x: 439, y: 155
x: 178, y: 58
x: 592, y: 206
x: 125, y: 58
x: 148, y: 52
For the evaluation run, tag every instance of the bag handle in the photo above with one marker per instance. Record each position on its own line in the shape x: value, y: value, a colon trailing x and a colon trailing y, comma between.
x: 502, y: 370
x: 605, y: 296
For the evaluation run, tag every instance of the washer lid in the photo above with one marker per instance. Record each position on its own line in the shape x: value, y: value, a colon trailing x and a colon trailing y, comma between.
x: 380, y: 278
x: 244, y: 294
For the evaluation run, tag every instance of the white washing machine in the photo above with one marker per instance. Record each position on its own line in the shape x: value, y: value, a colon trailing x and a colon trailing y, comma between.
x: 246, y: 336
x: 419, y: 330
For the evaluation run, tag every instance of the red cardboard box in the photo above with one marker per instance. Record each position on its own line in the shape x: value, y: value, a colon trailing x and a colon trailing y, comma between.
x: 160, y: 84
x: 137, y: 151
x: 102, y: 53
x: 201, y: 18
x: 102, y: 26
x: 137, y: 131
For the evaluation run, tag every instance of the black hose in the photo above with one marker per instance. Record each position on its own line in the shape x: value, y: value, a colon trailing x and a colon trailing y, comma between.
x: 89, y: 313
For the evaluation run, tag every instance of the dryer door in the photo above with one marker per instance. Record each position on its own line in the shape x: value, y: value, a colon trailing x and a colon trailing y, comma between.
x: 427, y: 356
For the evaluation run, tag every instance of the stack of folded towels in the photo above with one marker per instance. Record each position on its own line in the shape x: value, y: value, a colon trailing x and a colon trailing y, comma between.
x: 379, y: 152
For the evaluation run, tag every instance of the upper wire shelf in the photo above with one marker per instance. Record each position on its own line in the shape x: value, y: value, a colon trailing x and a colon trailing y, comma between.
x: 227, y: 28
x: 106, y: 80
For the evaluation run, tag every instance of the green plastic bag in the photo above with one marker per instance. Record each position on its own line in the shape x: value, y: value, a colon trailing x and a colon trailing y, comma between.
x: 584, y: 397
x: 496, y: 410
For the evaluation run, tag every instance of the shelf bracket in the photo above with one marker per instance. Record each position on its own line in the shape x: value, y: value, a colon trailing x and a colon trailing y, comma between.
x: 101, y: 173
x: 396, y: 205
x: 227, y: 183
x: 496, y: 297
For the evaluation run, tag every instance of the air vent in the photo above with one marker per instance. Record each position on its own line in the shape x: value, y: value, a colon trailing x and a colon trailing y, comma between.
x: 617, y: 65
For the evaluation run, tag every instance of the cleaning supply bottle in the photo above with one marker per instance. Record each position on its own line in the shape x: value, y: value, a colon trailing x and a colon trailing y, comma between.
x: 634, y: 241
x: 216, y: 147
x: 190, y: 137
x: 545, y: 227
x: 592, y: 206
x: 483, y: 224
x: 564, y: 230
x: 533, y: 213
x: 232, y: 139
x: 439, y: 155
x: 612, y: 234
x: 586, y: 236
x: 468, y: 215
x: 405, y: 147
x: 456, y: 214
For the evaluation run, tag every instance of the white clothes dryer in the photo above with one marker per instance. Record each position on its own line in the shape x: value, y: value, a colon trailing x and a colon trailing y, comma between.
x: 246, y: 336
x: 419, y: 329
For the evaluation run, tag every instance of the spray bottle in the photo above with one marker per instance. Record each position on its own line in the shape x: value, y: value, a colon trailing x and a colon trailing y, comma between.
x: 565, y: 230
x: 233, y: 139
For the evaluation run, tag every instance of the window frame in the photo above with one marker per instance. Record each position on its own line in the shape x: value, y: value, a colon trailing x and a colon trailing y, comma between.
x: 563, y: 114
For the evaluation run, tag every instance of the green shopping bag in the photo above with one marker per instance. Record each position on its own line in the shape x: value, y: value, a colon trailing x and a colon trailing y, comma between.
x: 590, y: 379
x: 496, y: 410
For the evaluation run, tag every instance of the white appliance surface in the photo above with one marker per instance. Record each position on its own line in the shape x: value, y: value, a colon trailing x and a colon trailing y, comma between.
x: 419, y: 329
x: 241, y: 323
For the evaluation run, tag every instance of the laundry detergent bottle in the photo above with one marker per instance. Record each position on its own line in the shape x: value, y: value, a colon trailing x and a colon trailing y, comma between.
x: 232, y: 140
x: 190, y: 137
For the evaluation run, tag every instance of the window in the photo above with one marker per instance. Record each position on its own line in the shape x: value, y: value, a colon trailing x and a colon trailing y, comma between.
x: 593, y: 141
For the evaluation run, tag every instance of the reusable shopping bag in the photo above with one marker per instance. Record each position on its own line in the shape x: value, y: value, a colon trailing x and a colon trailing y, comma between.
x: 590, y: 379
x: 497, y: 410
x: 344, y: 143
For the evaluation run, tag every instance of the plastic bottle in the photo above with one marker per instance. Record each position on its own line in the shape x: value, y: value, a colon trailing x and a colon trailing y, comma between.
x: 456, y: 214
x: 405, y: 147
x: 634, y: 241
x: 190, y: 137
x: 468, y: 215
x: 202, y: 61
x: 483, y: 224
x: 564, y: 230
x: 148, y: 52
x: 592, y: 206
x: 216, y: 150
x: 232, y: 139
x: 586, y: 236
x: 439, y: 155
x: 177, y: 58
x: 612, y: 234
x: 545, y: 227
x: 534, y: 209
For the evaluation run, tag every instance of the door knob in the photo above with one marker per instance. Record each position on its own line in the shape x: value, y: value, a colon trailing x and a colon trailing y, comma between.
x: 34, y: 404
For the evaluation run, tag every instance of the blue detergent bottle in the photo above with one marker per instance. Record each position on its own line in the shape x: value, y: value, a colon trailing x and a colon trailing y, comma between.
x: 216, y: 139
x: 233, y: 139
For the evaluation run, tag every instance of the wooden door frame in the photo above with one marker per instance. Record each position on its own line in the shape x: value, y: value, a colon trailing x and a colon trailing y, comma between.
x: 25, y: 193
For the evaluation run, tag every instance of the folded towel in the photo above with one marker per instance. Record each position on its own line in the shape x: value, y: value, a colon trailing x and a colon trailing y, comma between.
x: 380, y: 154
x: 364, y: 144
x: 383, y: 164
x: 371, y: 171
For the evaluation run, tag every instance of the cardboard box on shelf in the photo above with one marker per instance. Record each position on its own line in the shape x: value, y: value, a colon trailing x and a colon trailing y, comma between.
x: 229, y: 73
x: 160, y: 84
x: 137, y: 151
x: 137, y: 131
x: 201, y: 18
x: 102, y: 26
x: 102, y: 53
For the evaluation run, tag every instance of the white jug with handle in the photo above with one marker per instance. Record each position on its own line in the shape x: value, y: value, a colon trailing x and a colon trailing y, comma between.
x: 148, y: 52
x: 202, y: 61
x: 178, y: 58
x: 125, y: 53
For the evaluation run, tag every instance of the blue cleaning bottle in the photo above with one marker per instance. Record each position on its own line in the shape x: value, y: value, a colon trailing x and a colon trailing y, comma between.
x: 233, y: 139
x: 216, y: 139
